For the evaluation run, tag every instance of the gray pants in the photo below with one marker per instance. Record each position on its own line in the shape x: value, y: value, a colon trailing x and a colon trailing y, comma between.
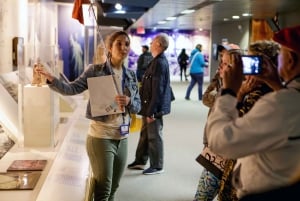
x: 108, y: 159
x: 151, y: 144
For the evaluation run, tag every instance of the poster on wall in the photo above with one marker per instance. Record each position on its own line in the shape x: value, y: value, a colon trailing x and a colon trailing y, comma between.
x: 178, y: 40
x: 71, y: 42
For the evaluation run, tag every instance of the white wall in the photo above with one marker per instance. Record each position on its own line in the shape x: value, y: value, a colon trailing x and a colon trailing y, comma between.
x: 235, y: 32
x: 13, y: 21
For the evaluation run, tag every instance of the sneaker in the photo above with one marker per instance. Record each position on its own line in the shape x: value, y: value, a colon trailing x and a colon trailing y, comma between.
x: 151, y: 171
x: 187, y: 98
x: 136, y: 166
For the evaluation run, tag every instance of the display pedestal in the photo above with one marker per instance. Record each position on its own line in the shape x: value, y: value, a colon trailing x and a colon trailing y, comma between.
x: 40, y: 116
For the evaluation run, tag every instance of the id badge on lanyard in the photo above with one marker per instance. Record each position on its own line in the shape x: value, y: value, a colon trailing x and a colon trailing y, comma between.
x: 124, y: 127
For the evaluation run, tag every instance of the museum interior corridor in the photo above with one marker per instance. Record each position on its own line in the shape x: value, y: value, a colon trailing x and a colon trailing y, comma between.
x: 65, y: 176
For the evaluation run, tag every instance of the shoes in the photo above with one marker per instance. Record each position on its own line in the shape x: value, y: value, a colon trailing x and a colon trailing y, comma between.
x: 187, y: 98
x: 136, y: 166
x: 151, y: 171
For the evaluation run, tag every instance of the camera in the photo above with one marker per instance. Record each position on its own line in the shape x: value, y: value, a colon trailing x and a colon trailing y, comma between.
x: 252, y: 64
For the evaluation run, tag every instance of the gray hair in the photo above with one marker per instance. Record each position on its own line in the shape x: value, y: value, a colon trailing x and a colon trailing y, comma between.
x: 163, y: 39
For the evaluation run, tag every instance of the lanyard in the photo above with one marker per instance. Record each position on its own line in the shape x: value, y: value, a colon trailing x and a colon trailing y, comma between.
x: 123, y: 90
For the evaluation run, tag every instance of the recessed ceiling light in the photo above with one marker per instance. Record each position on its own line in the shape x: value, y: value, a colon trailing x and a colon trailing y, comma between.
x: 120, y: 12
x: 118, y: 6
x: 171, y: 18
x: 187, y: 11
x: 246, y: 14
x: 235, y: 17
x: 225, y: 19
x: 161, y: 22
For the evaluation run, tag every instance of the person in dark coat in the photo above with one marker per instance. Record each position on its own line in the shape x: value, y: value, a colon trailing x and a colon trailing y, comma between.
x: 156, y: 95
x: 182, y: 60
x: 143, y: 62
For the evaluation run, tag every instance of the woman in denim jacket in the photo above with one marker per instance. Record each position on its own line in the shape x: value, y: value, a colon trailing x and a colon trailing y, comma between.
x: 106, y: 145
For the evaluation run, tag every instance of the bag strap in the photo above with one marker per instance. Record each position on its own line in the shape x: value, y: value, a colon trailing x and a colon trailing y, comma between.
x: 193, y: 59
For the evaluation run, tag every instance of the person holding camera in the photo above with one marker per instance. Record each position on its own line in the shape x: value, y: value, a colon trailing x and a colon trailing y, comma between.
x: 266, y: 141
x: 251, y: 90
x: 213, y: 164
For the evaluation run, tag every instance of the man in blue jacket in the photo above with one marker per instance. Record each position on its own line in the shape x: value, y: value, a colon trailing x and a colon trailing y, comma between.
x: 197, y: 64
x: 156, y: 101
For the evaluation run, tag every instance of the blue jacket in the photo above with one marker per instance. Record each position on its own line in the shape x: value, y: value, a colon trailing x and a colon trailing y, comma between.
x: 198, y: 63
x: 80, y: 84
x: 156, y: 92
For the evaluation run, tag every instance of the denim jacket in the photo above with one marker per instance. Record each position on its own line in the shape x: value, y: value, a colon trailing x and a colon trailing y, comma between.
x: 80, y: 84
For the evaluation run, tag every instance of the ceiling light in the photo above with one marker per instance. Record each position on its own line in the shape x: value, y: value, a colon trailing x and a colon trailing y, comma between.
x: 246, y: 14
x: 188, y: 11
x: 225, y: 19
x: 235, y: 17
x: 171, y: 18
x: 120, y: 12
x: 161, y: 22
x: 118, y: 6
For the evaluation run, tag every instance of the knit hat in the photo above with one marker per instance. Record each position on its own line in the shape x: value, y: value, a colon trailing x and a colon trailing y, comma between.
x: 289, y: 37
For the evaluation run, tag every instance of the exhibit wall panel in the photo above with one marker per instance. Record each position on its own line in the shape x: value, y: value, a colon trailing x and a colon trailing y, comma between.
x: 13, y: 23
x: 9, y: 113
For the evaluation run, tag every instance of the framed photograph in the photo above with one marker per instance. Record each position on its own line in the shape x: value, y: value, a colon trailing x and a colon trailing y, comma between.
x: 27, y: 165
x: 19, y: 180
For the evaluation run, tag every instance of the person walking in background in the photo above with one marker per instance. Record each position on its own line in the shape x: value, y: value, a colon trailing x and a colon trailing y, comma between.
x: 182, y: 60
x: 271, y: 124
x: 156, y: 98
x: 143, y: 62
x: 197, y: 64
x: 106, y: 144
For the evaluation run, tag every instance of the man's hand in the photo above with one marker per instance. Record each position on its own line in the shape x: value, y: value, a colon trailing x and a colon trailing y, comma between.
x: 150, y: 119
x: 270, y: 75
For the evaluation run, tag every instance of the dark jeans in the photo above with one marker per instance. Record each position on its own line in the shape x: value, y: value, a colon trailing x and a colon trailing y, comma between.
x: 196, y: 78
x: 150, y: 144
x: 183, y: 70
